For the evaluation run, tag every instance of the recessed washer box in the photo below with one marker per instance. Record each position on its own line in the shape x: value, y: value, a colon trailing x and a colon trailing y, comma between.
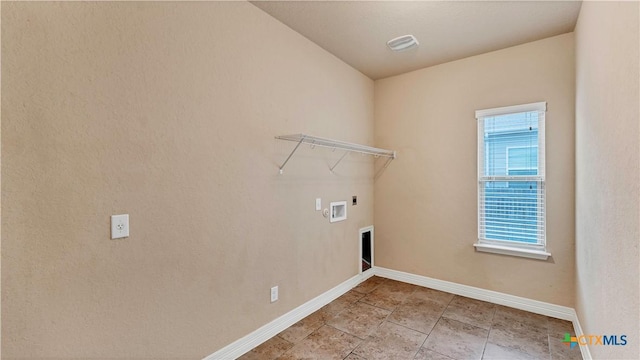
x: 338, y: 211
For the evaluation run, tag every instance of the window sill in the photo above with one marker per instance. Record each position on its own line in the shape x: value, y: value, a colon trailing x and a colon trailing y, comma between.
x: 505, y: 250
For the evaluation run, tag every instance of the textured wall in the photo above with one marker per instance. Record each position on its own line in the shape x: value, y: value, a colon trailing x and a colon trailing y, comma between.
x: 428, y: 225
x: 167, y: 111
x: 608, y: 174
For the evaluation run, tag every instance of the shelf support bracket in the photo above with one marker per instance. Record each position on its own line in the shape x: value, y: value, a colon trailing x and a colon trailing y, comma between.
x: 389, y: 160
x: 336, y: 164
x: 290, y: 155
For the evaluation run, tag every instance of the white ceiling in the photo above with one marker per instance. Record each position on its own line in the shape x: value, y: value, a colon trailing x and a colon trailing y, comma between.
x: 357, y: 31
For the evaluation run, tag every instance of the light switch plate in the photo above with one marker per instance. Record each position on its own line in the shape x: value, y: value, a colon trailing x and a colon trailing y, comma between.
x: 119, y: 226
x: 318, y: 204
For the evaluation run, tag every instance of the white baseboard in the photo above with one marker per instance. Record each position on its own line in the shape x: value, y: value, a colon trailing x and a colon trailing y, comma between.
x: 517, y: 302
x: 273, y: 328
x: 534, y: 306
x: 264, y: 333
x: 584, y: 349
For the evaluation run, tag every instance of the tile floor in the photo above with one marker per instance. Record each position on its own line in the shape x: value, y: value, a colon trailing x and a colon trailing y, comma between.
x: 387, y: 319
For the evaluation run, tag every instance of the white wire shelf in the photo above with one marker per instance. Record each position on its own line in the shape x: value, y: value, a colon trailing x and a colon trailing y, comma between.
x: 348, y: 147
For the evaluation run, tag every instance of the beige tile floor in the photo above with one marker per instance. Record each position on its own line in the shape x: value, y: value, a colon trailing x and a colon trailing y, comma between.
x: 387, y: 319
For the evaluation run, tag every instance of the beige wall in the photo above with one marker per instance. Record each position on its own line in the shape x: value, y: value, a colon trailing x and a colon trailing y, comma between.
x: 608, y: 174
x: 168, y: 112
x: 426, y: 202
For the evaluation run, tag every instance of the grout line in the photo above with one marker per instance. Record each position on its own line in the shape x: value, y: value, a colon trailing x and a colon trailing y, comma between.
x: 464, y: 323
x: 549, y: 337
x: 495, y: 310
x: 403, y: 301
x: 404, y: 326
x: 378, y: 307
x: 448, y: 357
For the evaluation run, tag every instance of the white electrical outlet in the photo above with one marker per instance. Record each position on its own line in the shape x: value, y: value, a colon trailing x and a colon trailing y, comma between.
x: 318, y: 204
x: 119, y: 226
x: 274, y: 294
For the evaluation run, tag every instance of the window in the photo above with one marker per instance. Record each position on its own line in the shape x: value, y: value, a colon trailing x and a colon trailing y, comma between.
x: 522, y: 160
x: 511, y: 180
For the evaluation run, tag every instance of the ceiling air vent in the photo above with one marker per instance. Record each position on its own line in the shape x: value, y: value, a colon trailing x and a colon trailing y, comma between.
x: 402, y: 43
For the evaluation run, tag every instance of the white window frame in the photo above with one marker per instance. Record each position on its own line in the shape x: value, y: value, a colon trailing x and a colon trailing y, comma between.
x: 534, y: 251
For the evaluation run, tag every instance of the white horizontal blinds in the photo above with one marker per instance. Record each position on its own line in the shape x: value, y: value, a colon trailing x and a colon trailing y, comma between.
x: 512, y: 211
x: 511, y: 175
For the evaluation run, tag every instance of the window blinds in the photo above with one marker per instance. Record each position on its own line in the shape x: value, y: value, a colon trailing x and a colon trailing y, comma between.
x: 511, y: 175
